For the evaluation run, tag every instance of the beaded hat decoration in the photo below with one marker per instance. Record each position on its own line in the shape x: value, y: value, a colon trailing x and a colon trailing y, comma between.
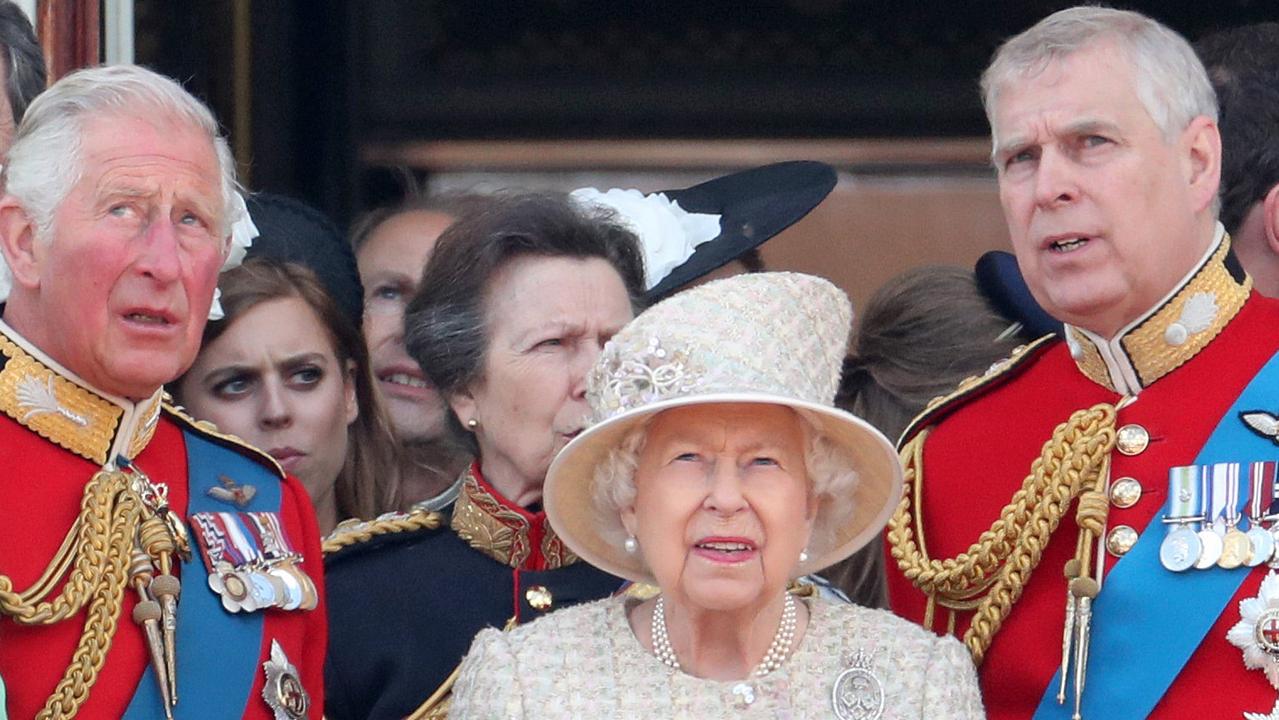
x: 770, y: 338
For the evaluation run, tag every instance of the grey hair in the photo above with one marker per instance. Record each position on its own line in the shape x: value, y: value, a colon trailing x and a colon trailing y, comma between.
x: 831, y: 480
x: 45, y: 160
x: 1171, y: 81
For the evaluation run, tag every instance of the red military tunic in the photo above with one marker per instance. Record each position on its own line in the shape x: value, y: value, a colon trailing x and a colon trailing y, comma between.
x: 50, y: 446
x: 983, y: 439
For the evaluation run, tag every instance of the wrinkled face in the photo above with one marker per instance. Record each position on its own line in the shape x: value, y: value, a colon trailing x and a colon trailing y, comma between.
x: 1106, y: 216
x: 548, y: 319
x: 722, y: 506
x: 391, y: 262
x: 122, y: 289
x: 273, y: 379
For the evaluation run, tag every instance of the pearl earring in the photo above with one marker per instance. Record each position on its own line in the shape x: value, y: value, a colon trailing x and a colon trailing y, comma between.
x: 472, y: 423
x: 803, y: 555
x: 630, y: 545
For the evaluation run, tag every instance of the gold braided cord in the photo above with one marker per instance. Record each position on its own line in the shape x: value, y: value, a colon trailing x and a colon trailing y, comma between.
x: 996, y: 567
x: 358, y: 532
x: 98, y: 549
x: 92, y: 528
x: 104, y: 612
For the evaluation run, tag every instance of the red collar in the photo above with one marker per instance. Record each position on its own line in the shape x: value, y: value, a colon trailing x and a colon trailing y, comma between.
x: 504, y: 531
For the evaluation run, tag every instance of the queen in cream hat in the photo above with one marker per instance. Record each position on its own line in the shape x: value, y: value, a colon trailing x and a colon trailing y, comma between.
x: 758, y: 339
x: 716, y: 467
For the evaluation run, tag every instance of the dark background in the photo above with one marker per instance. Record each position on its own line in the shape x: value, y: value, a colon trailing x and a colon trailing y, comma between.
x: 329, y: 77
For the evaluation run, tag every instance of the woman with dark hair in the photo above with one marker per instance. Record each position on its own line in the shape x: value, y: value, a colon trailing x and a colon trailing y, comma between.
x: 516, y: 302
x: 287, y: 370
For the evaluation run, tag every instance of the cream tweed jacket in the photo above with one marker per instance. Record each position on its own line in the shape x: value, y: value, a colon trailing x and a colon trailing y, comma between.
x: 584, y: 662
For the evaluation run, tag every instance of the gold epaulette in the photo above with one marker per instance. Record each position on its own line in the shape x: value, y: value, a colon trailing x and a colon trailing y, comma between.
x: 209, y: 430
x: 356, y: 531
x: 998, y: 374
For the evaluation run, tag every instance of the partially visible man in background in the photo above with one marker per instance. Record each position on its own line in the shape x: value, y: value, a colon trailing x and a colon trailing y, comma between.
x: 1243, y: 65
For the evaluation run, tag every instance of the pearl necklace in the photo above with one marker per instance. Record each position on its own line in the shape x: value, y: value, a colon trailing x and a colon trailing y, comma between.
x: 773, y: 659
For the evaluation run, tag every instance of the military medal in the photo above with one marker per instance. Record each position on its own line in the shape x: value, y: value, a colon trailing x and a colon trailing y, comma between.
x: 283, y: 689
x: 1261, y: 477
x: 1236, y: 550
x: 858, y: 694
x: 251, y: 564
x: 1213, y: 496
x: 1181, y: 546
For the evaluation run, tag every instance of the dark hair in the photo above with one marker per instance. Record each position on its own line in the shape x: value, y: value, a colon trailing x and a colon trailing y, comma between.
x: 24, y: 60
x: 445, y: 324
x: 1243, y: 65
x: 452, y: 204
x: 921, y: 334
x: 367, y: 485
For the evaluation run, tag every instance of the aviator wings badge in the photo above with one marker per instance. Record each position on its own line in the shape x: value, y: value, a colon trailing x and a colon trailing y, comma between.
x: 1263, y: 423
x: 233, y: 492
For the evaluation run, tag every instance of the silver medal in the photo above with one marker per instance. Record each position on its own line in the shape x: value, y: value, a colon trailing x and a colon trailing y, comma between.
x: 1180, y: 550
x: 1210, y: 551
x: 1263, y: 545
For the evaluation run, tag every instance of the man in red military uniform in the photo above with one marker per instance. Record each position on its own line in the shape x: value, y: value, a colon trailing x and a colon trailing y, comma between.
x: 149, y: 567
x: 1089, y: 515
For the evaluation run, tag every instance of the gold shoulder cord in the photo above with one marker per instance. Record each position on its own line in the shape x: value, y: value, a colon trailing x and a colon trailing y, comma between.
x: 98, y: 548
x: 989, y: 577
x: 355, y: 532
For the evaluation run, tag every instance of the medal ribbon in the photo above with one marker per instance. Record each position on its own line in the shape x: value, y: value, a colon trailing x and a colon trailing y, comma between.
x: 219, y: 653
x: 1228, y: 474
x: 1184, y: 496
x: 1133, y: 655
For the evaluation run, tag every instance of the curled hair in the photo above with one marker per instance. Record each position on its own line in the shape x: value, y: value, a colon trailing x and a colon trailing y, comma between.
x: 367, y: 484
x: 829, y: 468
x: 446, y: 322
x: 45, y: 160
x: 23, y: 57
x: 1170, y: 81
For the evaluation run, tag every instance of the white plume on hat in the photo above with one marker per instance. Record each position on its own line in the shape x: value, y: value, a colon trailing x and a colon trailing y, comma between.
x: 668, y: 234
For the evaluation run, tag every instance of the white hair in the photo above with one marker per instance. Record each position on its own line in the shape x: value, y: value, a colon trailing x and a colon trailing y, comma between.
x: 830, y: 469
x: 1171, y: 82
x: 45, y: 161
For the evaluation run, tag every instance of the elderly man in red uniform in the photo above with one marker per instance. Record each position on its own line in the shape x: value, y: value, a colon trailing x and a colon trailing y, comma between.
x: 1094, y: 516
x: 149, y: 567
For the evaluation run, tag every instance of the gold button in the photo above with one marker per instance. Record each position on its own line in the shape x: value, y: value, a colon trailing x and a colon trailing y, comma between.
x: 539, y: 598
x: 1132, y: 439
x: 1120, y: 540
x: 1125, y: 492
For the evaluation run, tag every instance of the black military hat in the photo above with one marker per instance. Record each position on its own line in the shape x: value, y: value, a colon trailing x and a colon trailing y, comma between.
x: 292, y: 231
x: 753, y: 205
x: 1000, y: 280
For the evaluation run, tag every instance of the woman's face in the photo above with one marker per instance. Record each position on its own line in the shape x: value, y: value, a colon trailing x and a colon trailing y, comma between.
x: 548, y: 318
x: 273, y: 379
x: 722, y: 506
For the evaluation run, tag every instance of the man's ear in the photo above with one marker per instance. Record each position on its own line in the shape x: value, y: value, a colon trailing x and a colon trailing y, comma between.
x: 1270, y: 218
x: 18, y: 243
x: 1202, y: 143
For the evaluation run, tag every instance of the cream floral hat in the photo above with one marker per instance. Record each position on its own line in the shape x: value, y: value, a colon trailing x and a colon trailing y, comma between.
x: 774, y: 338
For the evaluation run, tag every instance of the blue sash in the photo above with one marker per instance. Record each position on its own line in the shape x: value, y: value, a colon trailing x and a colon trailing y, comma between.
x: 218, y: 651
x: 1140, y: 640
